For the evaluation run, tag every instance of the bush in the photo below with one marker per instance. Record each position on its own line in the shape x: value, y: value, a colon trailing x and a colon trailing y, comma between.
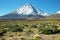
x: 25, y: 25
x: 2, y: 38
x: 33, y: 26
x: 51, y: 29
x: 29, y: 32
x: 2, y: 31
x: 16, y: 29
x: 36, y: 36
x: 46, y: 31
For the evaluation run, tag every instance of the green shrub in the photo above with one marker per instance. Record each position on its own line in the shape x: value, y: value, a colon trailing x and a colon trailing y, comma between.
x: 2, y: 31
x: 16, y: 29
x: 33, y: 26
x: 2, y: 38
x: 51, y: 29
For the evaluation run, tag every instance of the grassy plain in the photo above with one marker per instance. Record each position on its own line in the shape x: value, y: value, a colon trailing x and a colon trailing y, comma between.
x: 42, y: 29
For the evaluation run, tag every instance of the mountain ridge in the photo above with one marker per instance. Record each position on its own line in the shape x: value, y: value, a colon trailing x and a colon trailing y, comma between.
x: 28, y: 11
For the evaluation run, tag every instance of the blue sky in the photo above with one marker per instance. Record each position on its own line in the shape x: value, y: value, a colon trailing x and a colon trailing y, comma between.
x: 49, y: 6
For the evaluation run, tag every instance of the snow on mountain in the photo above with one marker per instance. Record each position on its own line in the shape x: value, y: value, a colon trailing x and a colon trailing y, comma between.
x: 26, y: 11
x: 45, y: 14
x: 29, y: 9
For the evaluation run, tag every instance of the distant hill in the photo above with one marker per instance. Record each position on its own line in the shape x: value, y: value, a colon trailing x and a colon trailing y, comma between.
x: 55, y: 15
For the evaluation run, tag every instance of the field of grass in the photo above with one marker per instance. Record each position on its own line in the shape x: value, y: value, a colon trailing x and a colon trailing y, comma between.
x: 30, y: 30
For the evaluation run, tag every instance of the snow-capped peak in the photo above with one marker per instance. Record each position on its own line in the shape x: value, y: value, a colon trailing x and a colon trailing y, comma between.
x: 29, y: 9
x: 26, y: 9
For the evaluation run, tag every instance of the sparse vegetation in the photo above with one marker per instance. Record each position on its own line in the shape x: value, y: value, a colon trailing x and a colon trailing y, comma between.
x: 28, y: 30
x: 49, y: 29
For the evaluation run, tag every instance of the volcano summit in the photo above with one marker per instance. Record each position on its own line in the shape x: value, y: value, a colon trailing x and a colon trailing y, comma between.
x: 26, y: 11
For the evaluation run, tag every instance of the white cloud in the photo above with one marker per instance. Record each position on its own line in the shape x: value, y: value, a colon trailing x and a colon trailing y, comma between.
x: 58, y: 12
